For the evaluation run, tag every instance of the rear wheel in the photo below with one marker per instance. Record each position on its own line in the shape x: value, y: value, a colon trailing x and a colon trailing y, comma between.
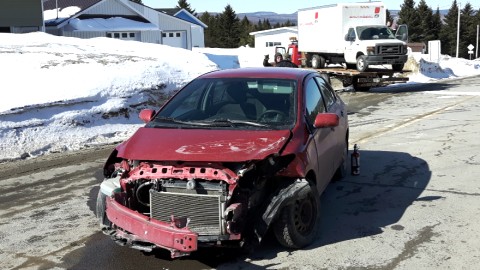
x: 362, y: 63
x: 297, y: 225
x: 318, y: 61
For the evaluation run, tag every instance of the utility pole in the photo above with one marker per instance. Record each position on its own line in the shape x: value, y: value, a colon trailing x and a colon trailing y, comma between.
x: 476, y: 47
x: 458, y: 28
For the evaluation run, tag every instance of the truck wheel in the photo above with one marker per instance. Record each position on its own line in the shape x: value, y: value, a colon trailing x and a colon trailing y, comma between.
x: 361, y: 63
x: 101, y: 210
x: 297, y: 225
x: 318, y: 61
x: 397, y: 67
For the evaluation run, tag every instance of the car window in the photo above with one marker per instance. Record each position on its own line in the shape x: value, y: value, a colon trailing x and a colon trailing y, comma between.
x: 313, y: 101
x: 327, y: 93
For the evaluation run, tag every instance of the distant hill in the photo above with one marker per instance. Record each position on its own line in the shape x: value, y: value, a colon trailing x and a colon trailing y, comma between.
x: 274, y: 18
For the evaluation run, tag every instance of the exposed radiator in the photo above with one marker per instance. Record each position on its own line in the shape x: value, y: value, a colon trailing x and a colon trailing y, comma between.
x: 204, y: 211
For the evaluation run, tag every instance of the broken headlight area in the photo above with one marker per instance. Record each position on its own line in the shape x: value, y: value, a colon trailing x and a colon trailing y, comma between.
x: 214, y: 201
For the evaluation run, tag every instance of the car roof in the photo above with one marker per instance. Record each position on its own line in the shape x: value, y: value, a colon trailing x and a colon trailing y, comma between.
x: 260, y: 72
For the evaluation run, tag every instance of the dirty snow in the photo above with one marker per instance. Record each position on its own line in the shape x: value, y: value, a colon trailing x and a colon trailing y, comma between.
x: 67, y: 94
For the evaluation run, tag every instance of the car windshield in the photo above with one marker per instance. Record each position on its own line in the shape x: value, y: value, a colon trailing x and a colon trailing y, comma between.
x: 374, y: 32
x: 238, y: 103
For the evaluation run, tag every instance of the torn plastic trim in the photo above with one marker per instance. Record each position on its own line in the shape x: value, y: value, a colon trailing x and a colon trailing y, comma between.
x: 110, y: 186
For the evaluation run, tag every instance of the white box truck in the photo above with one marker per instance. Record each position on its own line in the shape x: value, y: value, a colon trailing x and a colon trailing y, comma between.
x: 355, y: 34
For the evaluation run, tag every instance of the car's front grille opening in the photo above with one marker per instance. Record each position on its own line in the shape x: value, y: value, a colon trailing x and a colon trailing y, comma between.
x: 204, y: 211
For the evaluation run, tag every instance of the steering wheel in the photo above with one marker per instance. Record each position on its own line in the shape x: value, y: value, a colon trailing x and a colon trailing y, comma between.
x: 272, y: 116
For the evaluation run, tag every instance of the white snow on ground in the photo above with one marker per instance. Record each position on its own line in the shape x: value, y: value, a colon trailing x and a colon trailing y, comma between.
x: 63, y: 93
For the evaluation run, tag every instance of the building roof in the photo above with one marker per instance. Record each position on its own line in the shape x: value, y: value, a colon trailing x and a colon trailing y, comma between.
x: 61, y: 4
x: 292, y: 29
x: 183, y: 14
x: 169, y: 11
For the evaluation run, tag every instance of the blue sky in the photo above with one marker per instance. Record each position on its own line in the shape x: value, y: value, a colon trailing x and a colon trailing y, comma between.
x: 284, y: 6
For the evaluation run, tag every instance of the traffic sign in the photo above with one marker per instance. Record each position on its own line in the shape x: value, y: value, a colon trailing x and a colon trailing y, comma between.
x: 470, y: 47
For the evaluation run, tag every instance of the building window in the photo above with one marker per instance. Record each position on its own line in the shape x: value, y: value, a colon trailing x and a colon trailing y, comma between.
x: 177, y: 34
x: 164, y: 34
x: 170, y: 34
x: 121, y: 35
x: 272, y: 44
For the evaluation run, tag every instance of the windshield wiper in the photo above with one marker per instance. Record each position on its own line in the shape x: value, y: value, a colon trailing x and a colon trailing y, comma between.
x: 232, y: 122
x: 176, y: 121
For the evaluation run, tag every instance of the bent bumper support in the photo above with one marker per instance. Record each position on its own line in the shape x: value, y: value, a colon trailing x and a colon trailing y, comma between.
x: 180, y: 241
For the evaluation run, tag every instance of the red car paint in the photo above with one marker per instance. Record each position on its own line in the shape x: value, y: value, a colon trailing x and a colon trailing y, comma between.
x: 202, y: 145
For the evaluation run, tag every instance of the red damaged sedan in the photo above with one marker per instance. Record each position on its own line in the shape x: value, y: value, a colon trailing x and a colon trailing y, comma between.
x: 233, y: 154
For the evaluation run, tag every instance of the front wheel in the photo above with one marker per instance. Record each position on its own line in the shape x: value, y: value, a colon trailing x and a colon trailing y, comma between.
x: 362, y: 63
x: 297, y: 225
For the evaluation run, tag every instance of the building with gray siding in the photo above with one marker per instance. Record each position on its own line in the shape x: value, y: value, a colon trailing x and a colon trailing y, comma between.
x: 122, y: 19
x: 21, y: 16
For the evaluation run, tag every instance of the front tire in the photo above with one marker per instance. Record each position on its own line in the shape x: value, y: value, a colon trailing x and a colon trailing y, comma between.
x: 362, y: 63
x: 297, y: 225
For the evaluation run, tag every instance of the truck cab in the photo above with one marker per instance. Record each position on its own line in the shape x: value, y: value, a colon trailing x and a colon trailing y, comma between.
x: 375, y: 45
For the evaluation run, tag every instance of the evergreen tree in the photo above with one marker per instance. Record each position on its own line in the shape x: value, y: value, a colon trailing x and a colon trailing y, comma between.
x: 246, y: 28
x: 288, y: 23
x: 185, y: 5
x: 468, y: 32
x: 211, y: 33
x: 229, y: 29
x: 266, y: 24
x: 436, y: 25
x: 448, y: 33
x: 408, y: 15
x: 426, y: 21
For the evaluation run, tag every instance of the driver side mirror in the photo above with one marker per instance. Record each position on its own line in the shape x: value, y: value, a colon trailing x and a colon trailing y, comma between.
x: 349, y: 38
x: 324, y: 120
x: 146, y: 115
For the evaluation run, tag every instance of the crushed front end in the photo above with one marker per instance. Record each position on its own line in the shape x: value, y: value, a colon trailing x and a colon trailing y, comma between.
x: 180, y: 206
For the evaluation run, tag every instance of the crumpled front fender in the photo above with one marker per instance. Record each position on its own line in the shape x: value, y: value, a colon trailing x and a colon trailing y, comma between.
x: 282, y: 198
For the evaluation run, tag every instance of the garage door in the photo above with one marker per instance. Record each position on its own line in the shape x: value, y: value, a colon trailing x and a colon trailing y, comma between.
x: 175, y: 39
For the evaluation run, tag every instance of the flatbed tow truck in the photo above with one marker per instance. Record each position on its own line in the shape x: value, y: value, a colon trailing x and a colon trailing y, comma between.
x: 360, y: 80
x: 364, y: 80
